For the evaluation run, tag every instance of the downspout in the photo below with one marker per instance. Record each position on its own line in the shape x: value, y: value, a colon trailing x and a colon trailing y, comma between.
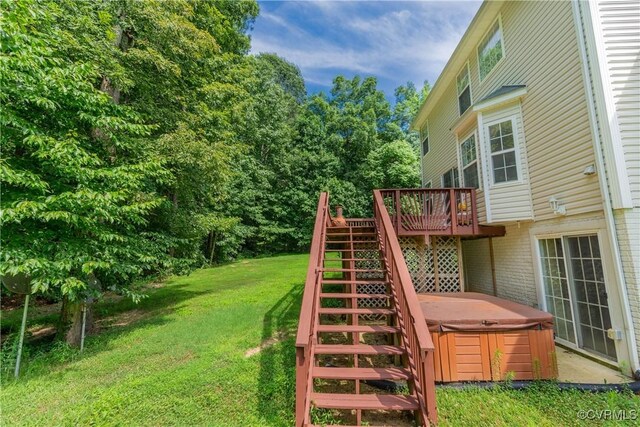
x: 606, y: 196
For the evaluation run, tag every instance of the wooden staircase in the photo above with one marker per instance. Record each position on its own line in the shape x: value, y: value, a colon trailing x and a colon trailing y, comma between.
x: 363, y: 353
x: 358, y: 337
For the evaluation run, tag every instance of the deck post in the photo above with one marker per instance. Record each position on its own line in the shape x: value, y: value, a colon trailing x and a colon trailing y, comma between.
x: 436, y: 279
x: 430, y: 387
x: 474, y: 214
x: 493, y: 268
x: 453, y: 203
x: 301, y: 385
x: 398, y: 212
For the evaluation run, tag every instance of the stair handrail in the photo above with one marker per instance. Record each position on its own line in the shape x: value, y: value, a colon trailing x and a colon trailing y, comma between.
x: 310, y: 303
x: 418, y: 338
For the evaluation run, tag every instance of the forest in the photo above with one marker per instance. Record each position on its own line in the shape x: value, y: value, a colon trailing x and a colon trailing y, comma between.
x: 141, y: 139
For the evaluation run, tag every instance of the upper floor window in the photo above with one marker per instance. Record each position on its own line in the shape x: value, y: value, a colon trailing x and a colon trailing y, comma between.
x: 464, y: 90
x: 469, y: 159
x: 504, y: 164
x: 450, y: 178
x: 424, y: 138
x: 490, y: 50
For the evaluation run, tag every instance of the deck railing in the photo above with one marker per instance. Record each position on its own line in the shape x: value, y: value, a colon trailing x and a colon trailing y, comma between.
x: 432, y: 211
x: 308, y: 319
x: 415, y: 334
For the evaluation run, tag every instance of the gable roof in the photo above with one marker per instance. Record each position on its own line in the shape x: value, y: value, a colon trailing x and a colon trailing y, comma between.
x: 479, y: 25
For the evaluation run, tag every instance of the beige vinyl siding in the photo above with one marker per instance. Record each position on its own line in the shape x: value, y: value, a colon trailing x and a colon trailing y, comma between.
x: 510, y: 201
x: 620, y: 24
x: 442, y: 152
x: 541, y: 52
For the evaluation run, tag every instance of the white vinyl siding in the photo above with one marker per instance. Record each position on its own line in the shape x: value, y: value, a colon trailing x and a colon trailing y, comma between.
x: 509, y: 200
x: 620, y: 24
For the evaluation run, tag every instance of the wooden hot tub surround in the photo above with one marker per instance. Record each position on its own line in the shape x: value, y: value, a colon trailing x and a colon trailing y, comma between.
x: 480, y: 337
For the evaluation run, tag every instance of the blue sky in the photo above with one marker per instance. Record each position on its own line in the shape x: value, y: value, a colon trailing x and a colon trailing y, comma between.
x: 396, y: 41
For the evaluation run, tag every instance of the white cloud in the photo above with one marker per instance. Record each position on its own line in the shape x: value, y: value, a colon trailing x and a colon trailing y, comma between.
x: 394, y: 40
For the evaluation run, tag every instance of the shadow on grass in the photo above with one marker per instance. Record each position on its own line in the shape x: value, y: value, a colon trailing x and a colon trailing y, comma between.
x: 277, y: 380
x: 43, y: 354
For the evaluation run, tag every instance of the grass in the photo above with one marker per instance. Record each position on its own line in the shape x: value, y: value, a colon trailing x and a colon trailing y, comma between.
x: 179, y: 358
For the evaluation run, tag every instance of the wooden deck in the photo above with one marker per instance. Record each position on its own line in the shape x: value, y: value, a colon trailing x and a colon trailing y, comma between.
x: 436, y: 212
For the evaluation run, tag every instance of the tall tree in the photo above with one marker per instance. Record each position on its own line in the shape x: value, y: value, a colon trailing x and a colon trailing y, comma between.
x: 75, y: 205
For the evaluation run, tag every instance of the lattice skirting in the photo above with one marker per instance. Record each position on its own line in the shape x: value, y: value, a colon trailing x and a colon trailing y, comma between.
x: 420, y: 262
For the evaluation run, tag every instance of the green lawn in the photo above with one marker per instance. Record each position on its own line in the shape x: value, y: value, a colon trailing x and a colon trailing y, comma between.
x: 179, y: 358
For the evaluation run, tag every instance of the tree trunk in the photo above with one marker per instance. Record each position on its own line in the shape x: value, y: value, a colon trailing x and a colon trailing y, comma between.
x: 70, y: 325
x: 212, y: 246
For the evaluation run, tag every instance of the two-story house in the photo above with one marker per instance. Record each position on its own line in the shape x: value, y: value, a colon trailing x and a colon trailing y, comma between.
x: 538, y: 108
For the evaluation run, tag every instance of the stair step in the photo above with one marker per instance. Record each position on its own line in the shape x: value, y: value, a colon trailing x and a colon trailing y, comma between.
x: 357, y: 349
x: 346, y: 295
x: 356, y: 282
x: 360, y: 234
x: 349, y: 250
x: 361, y: 373
x: 359, y: 328
x: 357, y: 311
x: 350, y: 241
x: 365, y: 401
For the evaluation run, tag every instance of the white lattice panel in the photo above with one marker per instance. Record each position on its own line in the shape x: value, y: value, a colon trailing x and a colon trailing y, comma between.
x: 419, y: 259
x: 448, y: 265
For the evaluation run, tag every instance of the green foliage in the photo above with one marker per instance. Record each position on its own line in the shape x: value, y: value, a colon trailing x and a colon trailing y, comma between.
x: 78, y: 182
x: 140, y: 138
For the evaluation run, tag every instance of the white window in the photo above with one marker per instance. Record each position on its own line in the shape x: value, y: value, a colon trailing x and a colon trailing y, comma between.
x: 490, y: 50
x: 469, y: 160
x: 450, y: 178
x: 504, y: 163
x: 424, y: 138
x: 464, y: 90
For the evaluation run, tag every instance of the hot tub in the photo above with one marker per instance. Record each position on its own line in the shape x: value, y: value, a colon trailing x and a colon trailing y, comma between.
x: 480, y: 337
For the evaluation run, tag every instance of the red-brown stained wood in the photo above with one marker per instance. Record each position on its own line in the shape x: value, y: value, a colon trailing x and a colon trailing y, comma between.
x: 364, y: 401
x: 527, y: 354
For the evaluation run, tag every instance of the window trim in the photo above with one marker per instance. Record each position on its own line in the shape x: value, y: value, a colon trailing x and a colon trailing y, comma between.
x: 516, y: 147
x: 425, y: 127
x: 454, y: 179
x: 484, y: 36
x: 468, y: 68
x: 461, y: 168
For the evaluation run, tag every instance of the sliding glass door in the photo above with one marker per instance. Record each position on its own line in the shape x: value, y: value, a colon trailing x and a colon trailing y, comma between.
x: 575, y: 292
